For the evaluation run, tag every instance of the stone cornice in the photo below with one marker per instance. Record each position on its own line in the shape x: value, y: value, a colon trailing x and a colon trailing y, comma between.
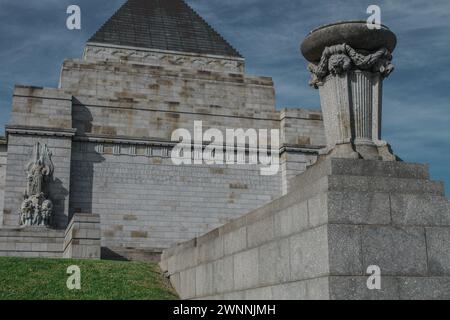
x: 40, y: 131
x: 102, y: 52
x: 169, y: 144
x: 178, y: 53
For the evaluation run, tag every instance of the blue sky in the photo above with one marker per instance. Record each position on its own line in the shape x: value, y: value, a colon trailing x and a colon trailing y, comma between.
x: 34, y: 42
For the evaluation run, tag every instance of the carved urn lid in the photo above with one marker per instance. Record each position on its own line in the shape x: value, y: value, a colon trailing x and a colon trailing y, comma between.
x: 356, y: 34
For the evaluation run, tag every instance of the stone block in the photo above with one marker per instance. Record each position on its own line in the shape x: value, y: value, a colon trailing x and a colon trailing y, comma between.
x: 212, y: 250
x: 290, y: 291
x: 85, y: 252
x: 235, y: 241
x: 384, y: 184
x: 273, y: 263
x: 397, y: 251
x: 235, y: 295
x: 309, y: 254
x: 318, y: 210
x: 223, y: 275
x: 438, y: 249
x: 259, y: 294
x: 204, y: 280
x: 344, y: 243
x: 420, y: 209
x: 260, y: 232
x: 38, y: 247
x: 187, y: 284
x: 186, y: 259
x: 355, y: 288
x: 246, y: 269
x: 291, y: 220
x: 424, y: 288
x: 379, y: 168
x: 358, y: 208
x: 175, y: 281
x: 318, y: 289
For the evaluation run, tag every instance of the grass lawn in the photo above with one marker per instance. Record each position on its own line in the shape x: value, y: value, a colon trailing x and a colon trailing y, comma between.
x: 45, y: 279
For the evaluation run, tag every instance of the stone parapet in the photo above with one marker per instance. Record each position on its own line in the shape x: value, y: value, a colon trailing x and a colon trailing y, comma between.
x: 317, y: 242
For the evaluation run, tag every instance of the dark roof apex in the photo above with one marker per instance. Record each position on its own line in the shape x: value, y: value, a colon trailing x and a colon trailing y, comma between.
x: 165, y: 25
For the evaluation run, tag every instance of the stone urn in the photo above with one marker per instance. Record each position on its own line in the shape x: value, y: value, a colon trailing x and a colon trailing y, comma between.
x: 348, y: 62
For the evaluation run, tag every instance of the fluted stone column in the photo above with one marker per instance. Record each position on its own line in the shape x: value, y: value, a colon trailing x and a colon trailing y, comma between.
x: 348, y: 64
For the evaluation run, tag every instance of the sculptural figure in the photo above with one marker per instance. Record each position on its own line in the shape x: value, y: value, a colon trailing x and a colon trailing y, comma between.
x: 341, y: 58
x: 36, y: 208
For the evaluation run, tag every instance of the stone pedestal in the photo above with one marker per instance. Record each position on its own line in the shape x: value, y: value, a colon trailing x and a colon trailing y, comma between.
x: 351, y: 105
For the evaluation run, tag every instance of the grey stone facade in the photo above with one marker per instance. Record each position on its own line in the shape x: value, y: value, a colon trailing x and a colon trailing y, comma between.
x: 109, y: 125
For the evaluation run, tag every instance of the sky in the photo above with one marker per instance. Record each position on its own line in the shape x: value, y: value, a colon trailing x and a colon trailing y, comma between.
x: 34, y: 41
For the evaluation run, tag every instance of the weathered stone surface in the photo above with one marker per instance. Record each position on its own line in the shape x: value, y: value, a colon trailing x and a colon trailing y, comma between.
x: 246, y: 269
x: 235, y: 241
x: 260, y: 232
x: 223, y: 271
x: 379, y: 168
x: 83, y: 237
x: 345, y: 249
x: 309, y: 254
x: 397, y: 251
x: 273, y: 262
x: 424, y: 288
x: 358, y: 207
x: 438, y: 250
x: 290, y: 291
x: 204, y: 280
x: 188, y: 284
x: 355, y: 288
x: 420, y: 209
x: 291, y: 220
x: 262, y: 294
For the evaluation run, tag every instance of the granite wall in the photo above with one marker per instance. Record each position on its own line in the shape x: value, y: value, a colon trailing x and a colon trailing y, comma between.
x: 317, y: 242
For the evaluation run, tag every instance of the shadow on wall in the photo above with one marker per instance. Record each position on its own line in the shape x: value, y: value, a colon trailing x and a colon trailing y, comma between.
x: 84, y: 158
x: 58, y: 194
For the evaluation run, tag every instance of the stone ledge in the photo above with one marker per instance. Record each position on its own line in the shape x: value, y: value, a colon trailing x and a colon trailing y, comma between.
x: 41, y: 131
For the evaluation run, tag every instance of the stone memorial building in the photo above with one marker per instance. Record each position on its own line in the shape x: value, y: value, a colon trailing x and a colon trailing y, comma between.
x: 153, y: 67
x: 86, y: 168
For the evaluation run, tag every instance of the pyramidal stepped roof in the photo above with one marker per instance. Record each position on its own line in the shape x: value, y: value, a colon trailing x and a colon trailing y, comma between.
x: 164, y: 25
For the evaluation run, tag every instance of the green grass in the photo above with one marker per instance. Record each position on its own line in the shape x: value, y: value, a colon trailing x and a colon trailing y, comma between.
x: 45, y: 279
